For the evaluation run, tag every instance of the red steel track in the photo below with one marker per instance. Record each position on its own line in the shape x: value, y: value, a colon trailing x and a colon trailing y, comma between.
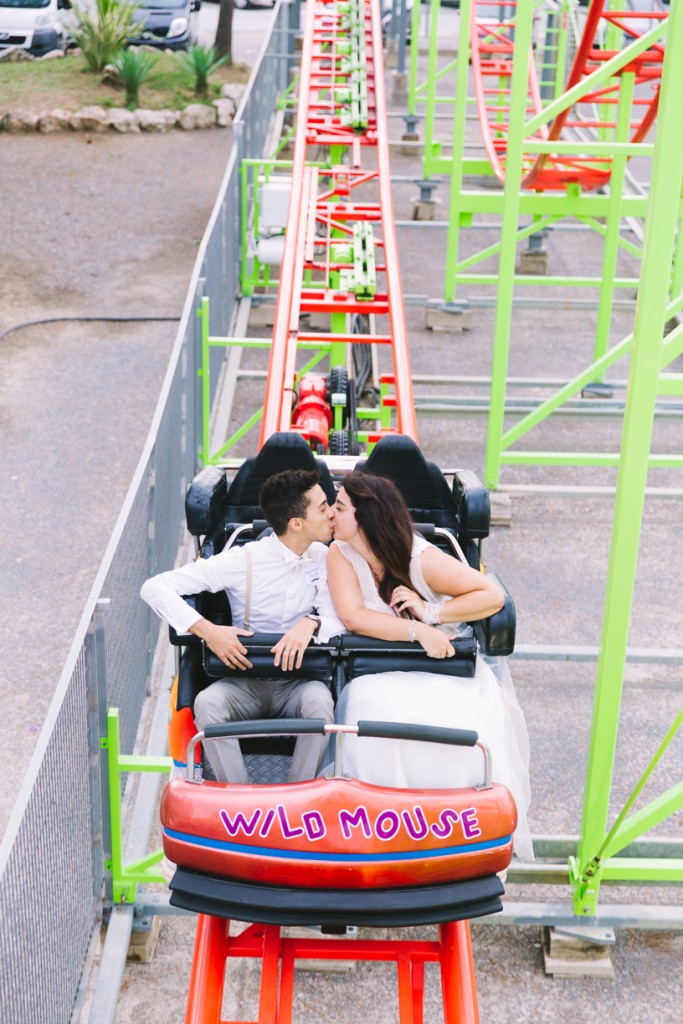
x: 492, y: 44
x: 324, y: 206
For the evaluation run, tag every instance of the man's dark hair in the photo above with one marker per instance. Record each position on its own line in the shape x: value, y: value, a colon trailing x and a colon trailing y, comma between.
x: 283, y: 496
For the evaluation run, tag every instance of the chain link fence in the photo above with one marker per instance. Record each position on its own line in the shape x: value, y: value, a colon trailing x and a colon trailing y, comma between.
x: 52, y: 854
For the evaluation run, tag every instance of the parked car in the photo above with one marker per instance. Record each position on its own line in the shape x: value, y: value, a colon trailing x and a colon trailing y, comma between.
x: 243, y: 5
x: 34, y: 25
x: 167, y: 24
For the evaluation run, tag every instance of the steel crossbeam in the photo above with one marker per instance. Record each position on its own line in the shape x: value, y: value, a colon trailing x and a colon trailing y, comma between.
x: 340, y: 252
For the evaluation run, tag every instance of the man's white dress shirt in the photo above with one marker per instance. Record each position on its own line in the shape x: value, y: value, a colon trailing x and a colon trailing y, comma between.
x: 284, y: 588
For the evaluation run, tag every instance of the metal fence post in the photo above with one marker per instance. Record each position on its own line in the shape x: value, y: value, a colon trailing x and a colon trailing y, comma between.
x: 96, y: 684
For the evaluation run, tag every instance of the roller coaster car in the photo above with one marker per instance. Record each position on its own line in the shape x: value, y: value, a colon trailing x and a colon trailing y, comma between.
x: 334, y: 849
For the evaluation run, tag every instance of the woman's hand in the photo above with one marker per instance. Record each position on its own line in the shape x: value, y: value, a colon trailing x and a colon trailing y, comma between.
x: 435, y: 643
x: 405, y: 600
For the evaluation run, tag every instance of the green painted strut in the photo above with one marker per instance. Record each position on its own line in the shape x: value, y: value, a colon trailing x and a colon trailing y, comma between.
x: 126, y: 877
x: 646, y: 358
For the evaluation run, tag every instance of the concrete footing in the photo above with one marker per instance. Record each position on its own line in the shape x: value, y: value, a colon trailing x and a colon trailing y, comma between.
x: 573, y: 956
x: 424, y: 209
x: 143, y: 942
x: 449, y: 317
x: 412, y: 139
x: 533, y: 261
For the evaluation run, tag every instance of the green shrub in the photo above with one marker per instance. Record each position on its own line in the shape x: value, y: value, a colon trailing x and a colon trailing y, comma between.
x: 201, y: 61
x: 104, y: 31
x: 133, y: 66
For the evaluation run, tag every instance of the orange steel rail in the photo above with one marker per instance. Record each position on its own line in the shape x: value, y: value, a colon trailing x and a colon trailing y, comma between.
x: 492, y: 44
x: 325, y: 205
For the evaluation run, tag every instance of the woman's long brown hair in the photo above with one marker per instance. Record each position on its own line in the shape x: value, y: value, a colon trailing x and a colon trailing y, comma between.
x: 383, y: 516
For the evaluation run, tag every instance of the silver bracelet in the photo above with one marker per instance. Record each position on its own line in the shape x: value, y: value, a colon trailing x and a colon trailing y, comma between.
x: 411, y: 633
x: 432, y: 612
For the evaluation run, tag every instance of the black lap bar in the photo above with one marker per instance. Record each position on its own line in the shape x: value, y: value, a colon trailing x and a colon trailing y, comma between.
x: 424, y: 733
x: 266, y: 727
x: 367, y: 656
x: 316, y: 662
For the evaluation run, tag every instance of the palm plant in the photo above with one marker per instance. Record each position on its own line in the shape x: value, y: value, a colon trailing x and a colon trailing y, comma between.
x: 201, y: 61
x: 133, y: 67
x: 103, y: 31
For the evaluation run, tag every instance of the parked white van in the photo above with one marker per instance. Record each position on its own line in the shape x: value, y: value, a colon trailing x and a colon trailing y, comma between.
x: 34, y: 25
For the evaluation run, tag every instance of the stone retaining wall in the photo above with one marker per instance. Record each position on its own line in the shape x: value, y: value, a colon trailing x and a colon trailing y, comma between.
x: 101, y: 119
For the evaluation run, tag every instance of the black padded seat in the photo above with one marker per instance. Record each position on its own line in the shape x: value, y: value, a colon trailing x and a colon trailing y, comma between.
x: 367, y: 908
x: 283, y: 450
x: 421, y: 483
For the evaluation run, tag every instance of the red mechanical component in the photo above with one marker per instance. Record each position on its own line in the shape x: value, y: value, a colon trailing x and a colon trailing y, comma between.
x: 492, y: 55
x: 312, y: 416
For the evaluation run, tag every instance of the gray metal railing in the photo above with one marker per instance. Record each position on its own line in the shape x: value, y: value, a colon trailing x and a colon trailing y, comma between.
x: 53, y: 851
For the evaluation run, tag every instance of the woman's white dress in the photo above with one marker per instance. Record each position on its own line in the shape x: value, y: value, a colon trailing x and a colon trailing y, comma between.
x: 485, y: 702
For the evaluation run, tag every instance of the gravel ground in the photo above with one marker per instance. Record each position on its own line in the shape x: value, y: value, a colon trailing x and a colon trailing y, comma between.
x: 94, y: 226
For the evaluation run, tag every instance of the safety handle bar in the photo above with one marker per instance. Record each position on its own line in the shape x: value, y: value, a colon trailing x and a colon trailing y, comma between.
x: 423, y: 733
x: 266, y: 727
x: 312, y: 726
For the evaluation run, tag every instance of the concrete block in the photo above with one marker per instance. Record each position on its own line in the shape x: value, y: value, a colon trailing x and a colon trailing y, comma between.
x: 413, y: 140
x: 533, y: 261
x: 143, y: 942
x: 451, y: 319
x: 570, y: 957
x: 424, y: 209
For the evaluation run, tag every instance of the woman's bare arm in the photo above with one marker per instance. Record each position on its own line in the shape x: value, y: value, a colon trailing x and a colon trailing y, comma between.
x: 473, y: 594
x: 348, y: 601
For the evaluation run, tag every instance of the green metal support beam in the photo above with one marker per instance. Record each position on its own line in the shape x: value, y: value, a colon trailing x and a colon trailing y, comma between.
x: 659, y: 246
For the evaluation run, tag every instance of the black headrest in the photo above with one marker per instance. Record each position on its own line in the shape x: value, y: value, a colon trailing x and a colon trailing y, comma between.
x: 421, y: 483
x: 283, y: 450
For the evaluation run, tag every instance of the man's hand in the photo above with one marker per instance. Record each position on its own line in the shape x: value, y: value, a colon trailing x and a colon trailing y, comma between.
x: 289, y: 651
x: 224, y: 642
